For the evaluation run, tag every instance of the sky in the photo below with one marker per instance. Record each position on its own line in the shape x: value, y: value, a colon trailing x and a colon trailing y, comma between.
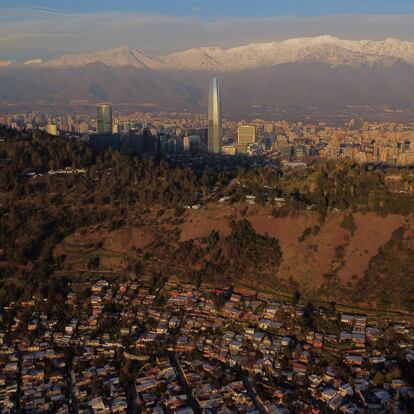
x: 45, y: 29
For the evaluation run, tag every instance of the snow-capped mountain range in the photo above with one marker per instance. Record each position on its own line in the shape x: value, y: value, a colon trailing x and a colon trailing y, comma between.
x: 323, y: 71
x: 323, y: 49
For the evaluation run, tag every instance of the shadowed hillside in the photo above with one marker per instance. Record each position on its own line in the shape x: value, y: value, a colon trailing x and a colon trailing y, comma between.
x: 300, y: 85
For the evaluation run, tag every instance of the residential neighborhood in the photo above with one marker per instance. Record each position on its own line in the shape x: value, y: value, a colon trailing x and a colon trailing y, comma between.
x: 128, y: 346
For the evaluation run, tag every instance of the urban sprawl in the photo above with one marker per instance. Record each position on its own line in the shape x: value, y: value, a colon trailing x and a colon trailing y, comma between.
x: 124, y: 343
x: 132, y: 346
x: 181, y: 133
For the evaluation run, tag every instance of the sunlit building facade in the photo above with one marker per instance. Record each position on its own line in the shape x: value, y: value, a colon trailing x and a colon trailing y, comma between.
x: 51, y: 129
x: 214, y: 117
x: 246, y: 135
x: 104, y: 119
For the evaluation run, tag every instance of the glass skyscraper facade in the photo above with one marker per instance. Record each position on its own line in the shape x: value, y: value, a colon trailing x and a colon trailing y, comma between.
x: 104, y: 119
x: 214, y: 117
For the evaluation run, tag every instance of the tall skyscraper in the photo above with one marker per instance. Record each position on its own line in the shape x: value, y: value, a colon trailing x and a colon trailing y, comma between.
x: 104, y: 119
x: 214, y: 117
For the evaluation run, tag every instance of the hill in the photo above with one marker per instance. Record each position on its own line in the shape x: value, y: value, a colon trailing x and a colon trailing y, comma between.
x: 342, y: 235
x: 329, y: 264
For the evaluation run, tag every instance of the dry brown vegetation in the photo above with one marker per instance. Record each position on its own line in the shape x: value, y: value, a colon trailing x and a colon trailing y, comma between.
x: 325, y: 259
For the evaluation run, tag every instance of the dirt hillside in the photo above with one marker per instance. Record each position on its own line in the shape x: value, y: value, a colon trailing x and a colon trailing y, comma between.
x: 311, y: 248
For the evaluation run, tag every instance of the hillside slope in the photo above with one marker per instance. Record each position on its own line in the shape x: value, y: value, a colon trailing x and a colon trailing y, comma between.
x: 299, y: 85
x: 321, y: 260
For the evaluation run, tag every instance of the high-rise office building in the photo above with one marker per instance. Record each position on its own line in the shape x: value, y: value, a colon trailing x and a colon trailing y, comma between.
x: 214, y: 117
x: 127, y: 127
x: 246, y: 135
x: 104, y: 119
x: 192, y: 143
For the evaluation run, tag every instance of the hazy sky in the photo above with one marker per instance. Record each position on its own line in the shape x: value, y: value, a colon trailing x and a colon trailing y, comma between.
x: 41, y: 28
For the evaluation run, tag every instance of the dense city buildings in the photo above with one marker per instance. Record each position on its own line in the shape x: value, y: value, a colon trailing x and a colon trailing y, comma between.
x: 388, y: 143
x: 191, y: 133
x: 149, y: 338
x: 214, y: 117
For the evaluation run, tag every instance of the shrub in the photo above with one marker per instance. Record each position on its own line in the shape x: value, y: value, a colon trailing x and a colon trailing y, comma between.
x: 348, y: 223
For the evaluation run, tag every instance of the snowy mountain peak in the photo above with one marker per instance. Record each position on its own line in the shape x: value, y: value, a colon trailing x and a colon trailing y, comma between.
x: 120, y: 56
x: 6, y: 63
x: 33, y: 62
x: 324, y: 49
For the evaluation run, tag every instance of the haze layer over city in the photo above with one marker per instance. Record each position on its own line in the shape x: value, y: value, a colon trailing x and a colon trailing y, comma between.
x: 207, y: 206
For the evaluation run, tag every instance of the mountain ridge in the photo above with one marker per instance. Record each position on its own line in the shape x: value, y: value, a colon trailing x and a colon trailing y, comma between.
x: 293, y: 85
x: 322, y: 49
x: 322, y: 72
